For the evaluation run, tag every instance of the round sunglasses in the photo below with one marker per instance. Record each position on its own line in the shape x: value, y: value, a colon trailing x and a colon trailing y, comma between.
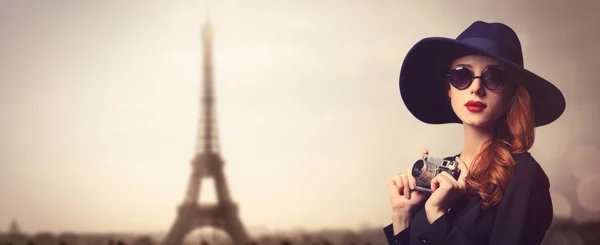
x: 493, y: 77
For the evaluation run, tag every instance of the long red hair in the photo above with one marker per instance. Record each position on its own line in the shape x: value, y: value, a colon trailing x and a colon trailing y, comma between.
x: 494, y: 165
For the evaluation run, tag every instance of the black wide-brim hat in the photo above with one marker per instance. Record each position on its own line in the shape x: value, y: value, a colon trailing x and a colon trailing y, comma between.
x: 423, y: 71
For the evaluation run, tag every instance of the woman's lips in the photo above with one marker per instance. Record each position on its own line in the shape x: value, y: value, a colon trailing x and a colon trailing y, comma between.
x: 475, y: 106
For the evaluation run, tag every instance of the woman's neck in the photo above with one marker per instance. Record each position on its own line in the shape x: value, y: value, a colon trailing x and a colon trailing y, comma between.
x: 474, y: 138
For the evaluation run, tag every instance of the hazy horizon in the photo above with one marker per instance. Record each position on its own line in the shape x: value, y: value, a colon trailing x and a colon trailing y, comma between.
x: 100, y: 105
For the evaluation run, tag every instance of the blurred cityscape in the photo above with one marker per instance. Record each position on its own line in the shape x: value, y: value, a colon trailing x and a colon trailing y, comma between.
x: 562, y: 232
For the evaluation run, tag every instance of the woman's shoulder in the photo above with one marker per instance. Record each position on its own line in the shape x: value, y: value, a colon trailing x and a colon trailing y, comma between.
x: 528, y: 170
x: 526, y: 163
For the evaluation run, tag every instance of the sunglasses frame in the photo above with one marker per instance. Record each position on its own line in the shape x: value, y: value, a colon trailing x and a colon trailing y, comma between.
x: 481, y: 77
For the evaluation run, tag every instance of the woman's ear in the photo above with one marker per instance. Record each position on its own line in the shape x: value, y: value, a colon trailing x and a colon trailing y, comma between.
x: 448, y: 89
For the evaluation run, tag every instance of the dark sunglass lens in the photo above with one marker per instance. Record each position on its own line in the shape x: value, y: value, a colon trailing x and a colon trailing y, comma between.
x: 495, y: 78
x: 460, y: 78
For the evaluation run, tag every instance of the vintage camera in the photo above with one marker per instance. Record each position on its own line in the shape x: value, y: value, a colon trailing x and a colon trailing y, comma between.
x: 428, y: 167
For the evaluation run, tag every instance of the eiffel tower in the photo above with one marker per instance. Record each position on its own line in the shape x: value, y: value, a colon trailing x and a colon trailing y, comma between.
x: 207, y: 163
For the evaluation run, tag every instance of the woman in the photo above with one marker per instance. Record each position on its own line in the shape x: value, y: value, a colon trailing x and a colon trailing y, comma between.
x: 502, y: 194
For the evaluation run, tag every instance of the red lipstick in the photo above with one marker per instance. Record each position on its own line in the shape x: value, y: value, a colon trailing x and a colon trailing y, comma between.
x: 475, y: 106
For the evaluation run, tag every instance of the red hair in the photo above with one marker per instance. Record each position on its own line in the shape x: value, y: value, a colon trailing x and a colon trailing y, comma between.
x: 494, y: 165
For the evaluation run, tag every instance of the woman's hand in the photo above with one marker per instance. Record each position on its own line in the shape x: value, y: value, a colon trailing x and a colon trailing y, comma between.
x: 445, y: 190
x: 404, y: 198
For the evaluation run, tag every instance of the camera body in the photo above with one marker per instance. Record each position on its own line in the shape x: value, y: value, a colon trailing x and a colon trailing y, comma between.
x: 426, y: 168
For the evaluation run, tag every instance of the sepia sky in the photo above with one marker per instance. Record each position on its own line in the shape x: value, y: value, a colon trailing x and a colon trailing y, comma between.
x: 99, y: 105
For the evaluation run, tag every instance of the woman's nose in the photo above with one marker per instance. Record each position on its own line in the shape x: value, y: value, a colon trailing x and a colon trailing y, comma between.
x: 476, y: 86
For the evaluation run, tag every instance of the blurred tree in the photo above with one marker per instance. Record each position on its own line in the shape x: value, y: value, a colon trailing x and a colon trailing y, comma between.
x: 44, y: 238
x: 69, y: 238
x: 143, y: 240
x: 350, y: 238
x: 15, y: 239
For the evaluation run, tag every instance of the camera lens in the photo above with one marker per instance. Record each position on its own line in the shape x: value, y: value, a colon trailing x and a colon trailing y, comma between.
x: 417, y: 169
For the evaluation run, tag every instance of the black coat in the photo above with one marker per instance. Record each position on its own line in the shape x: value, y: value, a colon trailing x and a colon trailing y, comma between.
x: 522, y: 216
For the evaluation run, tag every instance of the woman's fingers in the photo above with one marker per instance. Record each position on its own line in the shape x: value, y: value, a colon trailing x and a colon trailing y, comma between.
x: 448, y: 179
x: 392, y: 189
x: 406, y: 186
x: 425, y: 152
x: 395, y: 186
x: 400, y: 183
x: 435, y: 183
x: 442, y: 180
x: 412, y: 182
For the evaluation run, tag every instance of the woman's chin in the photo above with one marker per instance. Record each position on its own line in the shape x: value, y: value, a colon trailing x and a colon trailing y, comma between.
x: 477, y: 121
